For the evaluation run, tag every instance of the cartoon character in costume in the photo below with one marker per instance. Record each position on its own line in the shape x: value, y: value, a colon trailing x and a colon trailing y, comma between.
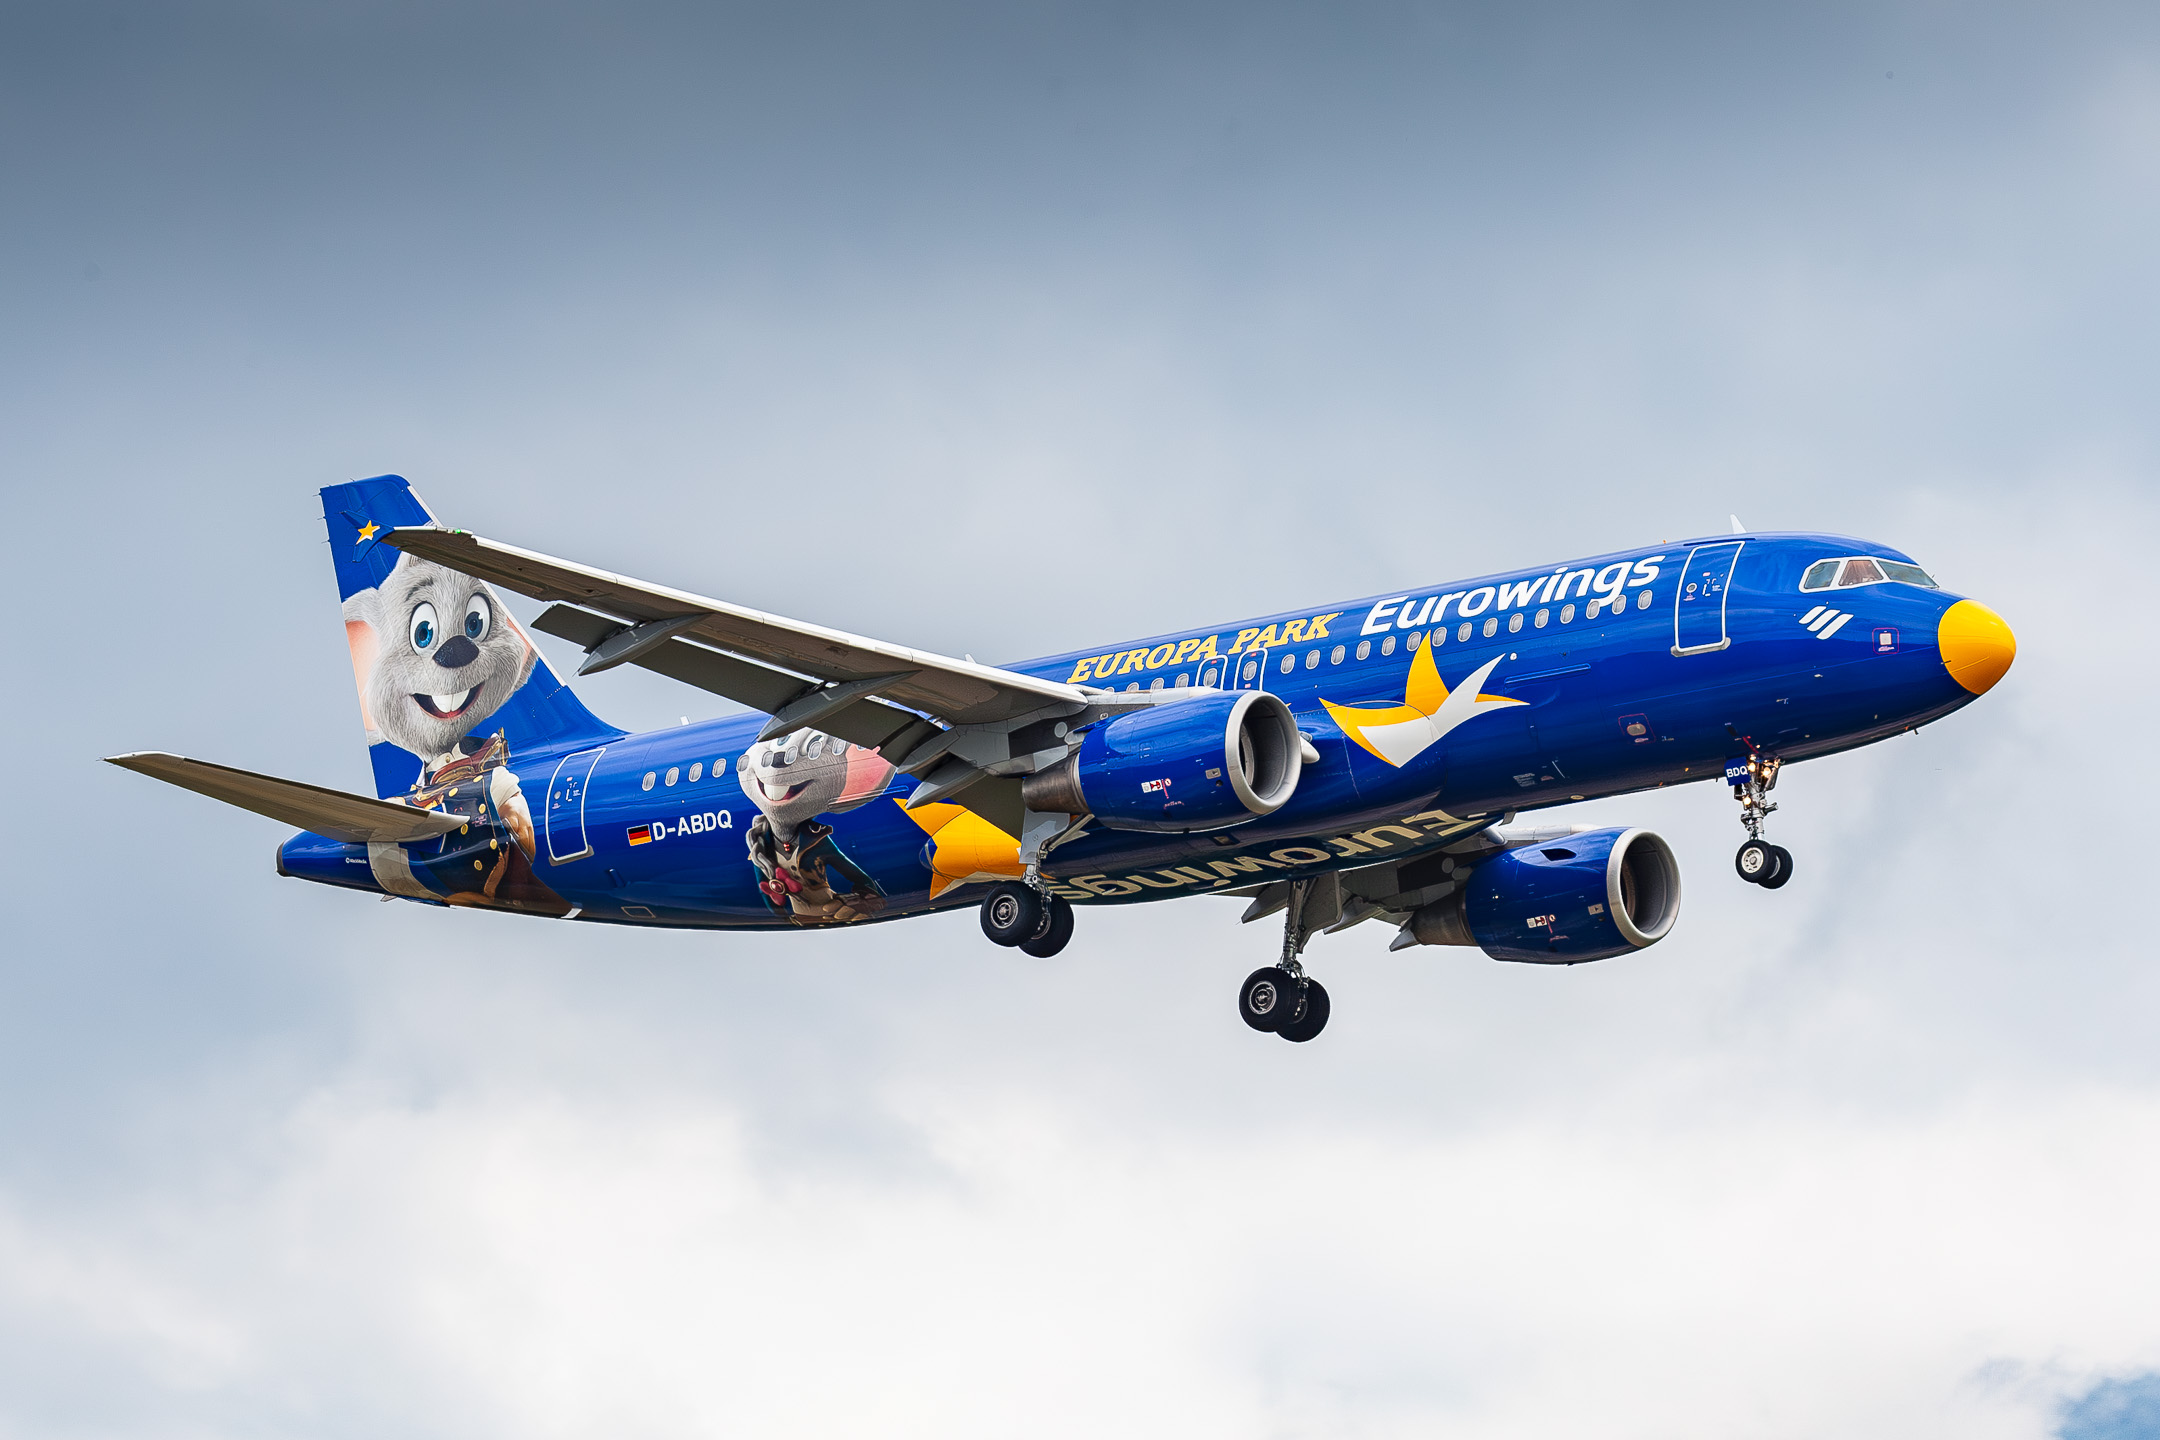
x: 435, y: 656
x: 792, y: 781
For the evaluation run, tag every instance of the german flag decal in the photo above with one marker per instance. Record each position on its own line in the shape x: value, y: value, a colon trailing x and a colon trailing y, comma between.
x: 641, y: 834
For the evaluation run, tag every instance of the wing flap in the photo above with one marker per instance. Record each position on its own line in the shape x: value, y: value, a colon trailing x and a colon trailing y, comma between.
x: 870, y: 723
x: 581, y: 628
x: 745, y: 682
x: 353, y: 819
x: 959, y: 692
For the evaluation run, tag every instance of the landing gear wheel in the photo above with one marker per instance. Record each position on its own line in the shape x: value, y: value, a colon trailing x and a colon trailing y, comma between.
x: 1313, y: 1021
x: 1784, y: 869
x: 1059, y: 913
x: 1012, y: 914
x: 1271, y: 999
x: 1756, y: 862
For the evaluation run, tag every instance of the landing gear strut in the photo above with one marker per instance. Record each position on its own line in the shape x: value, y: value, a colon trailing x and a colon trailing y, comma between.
x: 1758, y: 861
x: 1282, y: 999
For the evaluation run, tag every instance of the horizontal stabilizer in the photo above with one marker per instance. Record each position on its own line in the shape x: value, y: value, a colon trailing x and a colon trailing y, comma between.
x: 353, y: 819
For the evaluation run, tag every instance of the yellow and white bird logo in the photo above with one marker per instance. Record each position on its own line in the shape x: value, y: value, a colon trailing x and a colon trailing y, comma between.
x: 1399, y: 734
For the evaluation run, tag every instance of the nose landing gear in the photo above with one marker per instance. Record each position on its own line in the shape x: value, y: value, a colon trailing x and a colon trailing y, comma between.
x: 1758, y: 861
x: 1764, y: 864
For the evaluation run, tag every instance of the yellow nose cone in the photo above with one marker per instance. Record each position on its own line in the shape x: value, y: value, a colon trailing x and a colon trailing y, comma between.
x: 1977, y: 647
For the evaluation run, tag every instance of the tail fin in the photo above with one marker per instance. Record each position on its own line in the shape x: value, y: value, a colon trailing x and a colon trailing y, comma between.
x: 441, y: 666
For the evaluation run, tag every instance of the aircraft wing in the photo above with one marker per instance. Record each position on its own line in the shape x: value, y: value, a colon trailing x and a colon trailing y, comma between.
x: 801, y: 674
x: 354, y: 819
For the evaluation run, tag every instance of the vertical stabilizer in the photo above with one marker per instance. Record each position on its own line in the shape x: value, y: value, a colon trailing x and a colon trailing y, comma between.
x: 447, y: 679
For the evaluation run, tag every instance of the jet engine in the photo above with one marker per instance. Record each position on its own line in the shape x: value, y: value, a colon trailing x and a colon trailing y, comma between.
x: 1219, y: 759
x: 1560, y: 902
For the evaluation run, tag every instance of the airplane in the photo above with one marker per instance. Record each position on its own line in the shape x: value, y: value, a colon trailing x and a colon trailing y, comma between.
x: 1362, y: 760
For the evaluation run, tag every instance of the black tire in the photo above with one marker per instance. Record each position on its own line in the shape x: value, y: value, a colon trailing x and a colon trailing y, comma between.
x: 1270, y: 999
x: 1756, y: 860
x: 1055, y: 934
x: 1012, y: 914
x: 1313, y: 1021
x: 1784, y: 869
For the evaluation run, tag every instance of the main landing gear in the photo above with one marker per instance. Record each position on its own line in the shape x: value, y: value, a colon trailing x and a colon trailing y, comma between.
x: 1282, y: 999
x: 1027, y: 920
x: 1759, y: 862
x: 1292, y: 1005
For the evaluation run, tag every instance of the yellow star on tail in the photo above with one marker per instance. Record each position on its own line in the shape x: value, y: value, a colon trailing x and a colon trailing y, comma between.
x: 1399, y: 734
x: 367, y: 531
x: 963, y: 846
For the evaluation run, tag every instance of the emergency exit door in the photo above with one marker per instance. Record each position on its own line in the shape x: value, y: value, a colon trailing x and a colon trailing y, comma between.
x: 1246, y: 670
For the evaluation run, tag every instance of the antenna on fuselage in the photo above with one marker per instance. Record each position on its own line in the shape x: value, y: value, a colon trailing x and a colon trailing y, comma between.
x: 1737, y: 527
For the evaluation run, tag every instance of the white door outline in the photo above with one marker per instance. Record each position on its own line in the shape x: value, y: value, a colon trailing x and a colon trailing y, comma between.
x: 567, y: 788
x: 1712, y: 577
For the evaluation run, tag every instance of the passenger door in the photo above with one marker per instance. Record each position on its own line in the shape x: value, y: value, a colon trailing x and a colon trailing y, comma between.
x: 1699, y: 609
x: 566, y: 836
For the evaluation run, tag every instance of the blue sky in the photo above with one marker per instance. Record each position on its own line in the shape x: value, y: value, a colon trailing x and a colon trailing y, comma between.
x: 1010, y: 332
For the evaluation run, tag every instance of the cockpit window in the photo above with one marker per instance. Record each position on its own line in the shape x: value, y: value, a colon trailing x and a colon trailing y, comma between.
x: 1863, y: 570
x: 1910, y: 574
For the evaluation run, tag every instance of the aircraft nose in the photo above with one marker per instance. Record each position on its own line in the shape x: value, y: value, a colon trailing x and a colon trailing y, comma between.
x: 1976, y: 644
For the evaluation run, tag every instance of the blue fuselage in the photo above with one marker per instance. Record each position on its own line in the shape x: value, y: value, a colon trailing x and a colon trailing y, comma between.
x: 1634, y: 670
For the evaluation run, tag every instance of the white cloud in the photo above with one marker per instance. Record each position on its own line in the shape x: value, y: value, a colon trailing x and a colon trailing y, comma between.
x: 540, y: 1264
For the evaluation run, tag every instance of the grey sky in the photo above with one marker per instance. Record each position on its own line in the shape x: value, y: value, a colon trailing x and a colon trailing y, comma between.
x: 1010, y: 331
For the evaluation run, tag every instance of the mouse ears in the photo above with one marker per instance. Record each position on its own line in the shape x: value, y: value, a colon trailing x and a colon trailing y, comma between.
x: 867, y: 772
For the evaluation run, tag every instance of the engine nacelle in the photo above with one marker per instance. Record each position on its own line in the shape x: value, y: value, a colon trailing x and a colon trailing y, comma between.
x: 1219, y: 759
x: 1581, y: 897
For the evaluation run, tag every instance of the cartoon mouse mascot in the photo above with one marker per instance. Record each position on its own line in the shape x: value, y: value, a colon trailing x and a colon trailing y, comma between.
x: 792, y: 781
x: 435, y: 656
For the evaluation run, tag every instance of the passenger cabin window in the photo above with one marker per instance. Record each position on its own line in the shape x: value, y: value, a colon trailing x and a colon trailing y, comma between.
x: 1863, y: 570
